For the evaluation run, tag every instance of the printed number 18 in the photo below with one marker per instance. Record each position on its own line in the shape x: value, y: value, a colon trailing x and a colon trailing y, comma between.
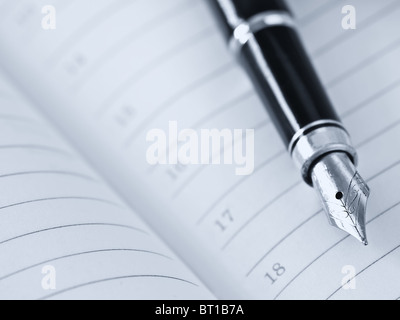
x: 278, y: 271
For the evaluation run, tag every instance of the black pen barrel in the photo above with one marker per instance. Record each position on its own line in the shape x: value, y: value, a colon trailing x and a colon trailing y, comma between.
x: 245, y: 9
x: 296, y: 78
x: 275, y: 59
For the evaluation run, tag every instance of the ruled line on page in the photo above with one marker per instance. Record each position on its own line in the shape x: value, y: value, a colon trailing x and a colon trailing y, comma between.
x: 329, y: 249
x: 56, y: 214
x: 365, y: 103
x: 72, y: 226
x: 392, y: 166
x: 59, y: 198
x: 302, y: 224
x: 30, y: 34
x: 287, y: 236
x: 346, y: 74
x: 200, y: 168
x: 379, y: 133
x: 309, y: 18
x: 385, y: 90
x: 379, y: 94
x: 309, y: 219
x: 49, y: 172
x: 128, y: 40
x: 212, y: 115
x: 140, y: 128
x: 218, y: 72
x: 365, y: 269
x: 152, y: 65
x: 236, y: 185
x: 363, y: 63
x: 355, y: 68
x: 223, y: 107
x: 79, y: 254
x: 89, y: 26
x: 373, y: 19
x: 264, y: 208
x: 155, y: 276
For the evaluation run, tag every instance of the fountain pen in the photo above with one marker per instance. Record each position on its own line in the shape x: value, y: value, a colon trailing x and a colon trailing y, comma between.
x: 263, y: 36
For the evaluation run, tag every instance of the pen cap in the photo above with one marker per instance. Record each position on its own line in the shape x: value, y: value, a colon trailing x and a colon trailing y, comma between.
x: 286, y: 80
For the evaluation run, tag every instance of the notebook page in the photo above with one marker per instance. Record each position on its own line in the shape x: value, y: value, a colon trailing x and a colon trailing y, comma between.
x: 118, y: 71
x: 61, y: 225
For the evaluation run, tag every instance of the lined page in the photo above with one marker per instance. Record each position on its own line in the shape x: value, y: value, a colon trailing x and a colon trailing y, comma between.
x: 63, y: 232
x: 112, y: 71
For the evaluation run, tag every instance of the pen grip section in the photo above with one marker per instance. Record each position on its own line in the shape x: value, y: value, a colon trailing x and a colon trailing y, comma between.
x: 286, y: 80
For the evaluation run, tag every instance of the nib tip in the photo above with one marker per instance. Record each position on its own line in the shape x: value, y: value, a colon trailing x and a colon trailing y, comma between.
x: 344, y: 194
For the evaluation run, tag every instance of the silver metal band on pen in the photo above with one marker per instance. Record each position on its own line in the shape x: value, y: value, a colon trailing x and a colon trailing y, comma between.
x: 245, y: 29
x: 317, y: 139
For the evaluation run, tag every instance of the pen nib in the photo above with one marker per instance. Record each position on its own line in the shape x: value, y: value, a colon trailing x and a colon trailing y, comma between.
x: 343, y: 192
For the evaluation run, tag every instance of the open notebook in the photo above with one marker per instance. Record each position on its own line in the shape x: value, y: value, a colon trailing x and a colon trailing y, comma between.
x: 77, y: 193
